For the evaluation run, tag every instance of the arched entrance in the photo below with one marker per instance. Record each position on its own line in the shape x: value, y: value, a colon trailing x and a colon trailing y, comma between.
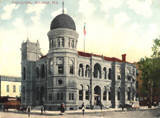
x: 97, y: 95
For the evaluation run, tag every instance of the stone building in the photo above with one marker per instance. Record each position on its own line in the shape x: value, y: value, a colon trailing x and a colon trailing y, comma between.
x: 66, y: 75
x: 10, y: 86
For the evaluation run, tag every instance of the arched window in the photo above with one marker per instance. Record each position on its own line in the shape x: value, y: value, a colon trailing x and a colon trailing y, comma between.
x: 81, y: 72
x: 81, y: 92
x: 105, y: 73
x: 129, y: 93
x: 87, y: 93
x: 62, y: 41
x: 58, y: 42
x: 72, y: 43
x: 109, y: 94
x: 97, y: 70
x: 42, y: 71
x: 68, y: 42
x: 71, y: 65
x: 87, y: 74
x: 110, y: 73
x: 105, y: 94
x: 37, y: 72
x: 118, y: 94
x: 24, y: 73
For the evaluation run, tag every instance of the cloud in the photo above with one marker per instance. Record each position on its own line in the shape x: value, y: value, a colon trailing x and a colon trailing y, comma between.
x: 106, y: 5
x: 8, y: 9
x: 36, y: 9
x: 120, y: 19
x: 141, y: 7
x: 86, y: 8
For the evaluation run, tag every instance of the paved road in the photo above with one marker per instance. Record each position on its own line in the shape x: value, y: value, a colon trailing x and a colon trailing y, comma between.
x: 152, y: 113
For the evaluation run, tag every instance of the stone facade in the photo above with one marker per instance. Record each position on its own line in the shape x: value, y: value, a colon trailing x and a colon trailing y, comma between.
x: 65, y: 75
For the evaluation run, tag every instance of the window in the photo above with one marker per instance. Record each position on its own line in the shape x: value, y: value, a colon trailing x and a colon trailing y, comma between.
x: 109, y: 74
x: 118, y: 77
x: 80, y: 73
x: 129, y: 93
x: 109, y: 96
x: 81, y: 93
x: 14, y: 88
x: 71, y: 96
x: 87, y: 74
x: 60, y: 69
x: 63, y: 41
x: 20, y: 89
x: 24, y: 73
x: 97, y: 70
x: 72, y: 44
x: 71, y: 63
x: 105, y: 95
x: 105, y: 73
x: 58, y: 96
x: 60, y: 82
x: 60, y: 65
x: 61, y: 96
x: 118, y: 95
x: 58, y: 41
x: 87, y: 93
x: 42, y: 71
x: 7, y: 88
x: 50, y: 97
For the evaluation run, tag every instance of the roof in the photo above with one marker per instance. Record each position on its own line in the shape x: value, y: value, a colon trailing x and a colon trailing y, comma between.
x: 80, y: 53
x: 63, y: 21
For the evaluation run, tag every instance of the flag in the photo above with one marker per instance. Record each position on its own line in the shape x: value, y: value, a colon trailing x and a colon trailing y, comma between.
x: 84, y: 30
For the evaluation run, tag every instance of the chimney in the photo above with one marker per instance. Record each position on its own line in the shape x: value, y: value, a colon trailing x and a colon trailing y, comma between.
x: 124, y: 57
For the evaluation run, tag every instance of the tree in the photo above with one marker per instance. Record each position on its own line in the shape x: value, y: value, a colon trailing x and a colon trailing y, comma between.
x: 150, y: 68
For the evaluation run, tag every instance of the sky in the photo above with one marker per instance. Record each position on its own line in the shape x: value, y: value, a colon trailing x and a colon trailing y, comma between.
x: 113, y: 27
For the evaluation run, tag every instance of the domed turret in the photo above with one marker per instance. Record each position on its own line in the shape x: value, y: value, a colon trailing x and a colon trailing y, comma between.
x: 63, y: 21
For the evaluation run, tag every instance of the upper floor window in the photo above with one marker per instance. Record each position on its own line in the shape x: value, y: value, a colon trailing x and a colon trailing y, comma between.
x: 71, y: 64
x: 42, y: 71
x: 60, y: 64
x: 105, y: 73
x: 110, y: 73
x: 14, y: 88
x: 87, y: 73
x: 62, y: 41
x: 7, y: 88
x: 80, y: 72
x: 97, y: 70
x: 72, y: 44
x: 58, y: 42
x: 24, y: 73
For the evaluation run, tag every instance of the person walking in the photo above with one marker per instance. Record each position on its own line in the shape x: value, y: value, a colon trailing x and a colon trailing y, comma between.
x: 83, y: 108
x: 42, y: 109
x: 29, y: 110
x: 62, y: 108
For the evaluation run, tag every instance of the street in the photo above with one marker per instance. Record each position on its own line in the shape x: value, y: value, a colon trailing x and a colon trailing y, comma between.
x: 143, y: 113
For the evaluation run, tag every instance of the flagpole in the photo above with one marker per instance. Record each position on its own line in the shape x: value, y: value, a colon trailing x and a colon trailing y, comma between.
x: 84, y: 43
x: 84, y: 31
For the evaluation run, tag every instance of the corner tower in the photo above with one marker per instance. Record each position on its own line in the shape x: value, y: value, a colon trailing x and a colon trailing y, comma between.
x: 62, y: 57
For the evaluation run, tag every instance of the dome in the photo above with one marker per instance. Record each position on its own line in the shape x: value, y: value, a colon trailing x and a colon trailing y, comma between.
x: 63, y: 21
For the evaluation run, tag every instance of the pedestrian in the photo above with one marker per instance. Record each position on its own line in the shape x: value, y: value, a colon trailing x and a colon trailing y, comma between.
x: 83, y: 108
x: 62, y: 108
x: 42, y: 109
x: 29, y: 110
